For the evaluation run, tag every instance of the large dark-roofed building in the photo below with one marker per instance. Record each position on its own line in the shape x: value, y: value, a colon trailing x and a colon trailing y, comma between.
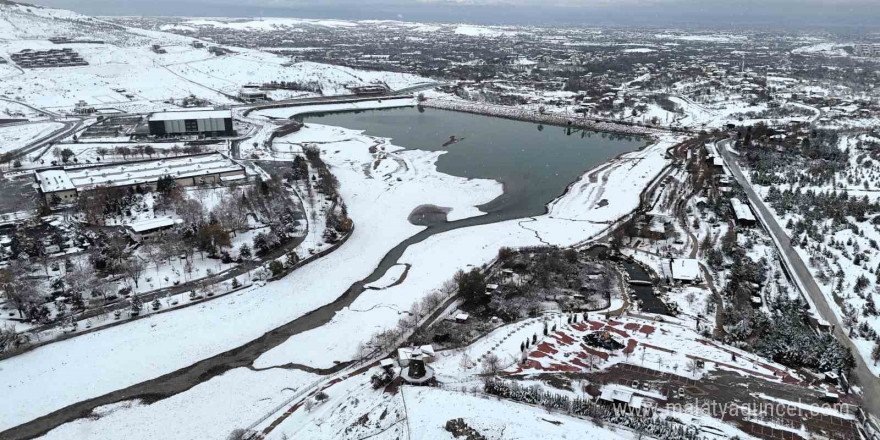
x: 207, y: 122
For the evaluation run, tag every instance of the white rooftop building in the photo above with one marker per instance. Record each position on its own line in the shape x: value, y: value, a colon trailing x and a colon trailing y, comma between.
x: 686, y: 270
x: 210, y: 168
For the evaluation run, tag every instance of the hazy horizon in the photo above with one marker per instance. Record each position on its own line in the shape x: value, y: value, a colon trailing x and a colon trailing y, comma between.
x: 689, y: 13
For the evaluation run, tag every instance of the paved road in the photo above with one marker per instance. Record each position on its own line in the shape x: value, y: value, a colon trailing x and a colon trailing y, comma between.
x: 36, y: 109
x: 870, y: 384
x: 69, y: 128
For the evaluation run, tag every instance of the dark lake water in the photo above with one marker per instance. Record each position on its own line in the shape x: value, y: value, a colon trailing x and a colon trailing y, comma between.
x: 535, y: 163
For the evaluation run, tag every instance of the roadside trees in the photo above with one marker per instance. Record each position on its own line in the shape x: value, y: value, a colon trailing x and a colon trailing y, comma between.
x: 276, y: 267
x: 491, y: 364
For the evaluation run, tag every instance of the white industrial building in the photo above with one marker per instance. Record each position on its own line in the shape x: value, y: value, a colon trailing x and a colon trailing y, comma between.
x: 63, y: 184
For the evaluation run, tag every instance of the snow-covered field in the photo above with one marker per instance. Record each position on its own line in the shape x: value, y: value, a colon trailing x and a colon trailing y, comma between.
x: 430, y: 409
x: 125, y: 74
x: 381, y: 185
x: 356, y: 411
x: 209, y: 410
x: 13, y: 137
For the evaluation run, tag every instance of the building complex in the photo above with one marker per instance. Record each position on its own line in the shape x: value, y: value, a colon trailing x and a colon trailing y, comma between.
x: 62, y: 185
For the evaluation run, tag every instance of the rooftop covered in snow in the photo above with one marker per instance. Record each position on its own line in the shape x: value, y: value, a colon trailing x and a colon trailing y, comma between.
x: 196, y: 114
x: 136, y: 173
x: 685, y: 269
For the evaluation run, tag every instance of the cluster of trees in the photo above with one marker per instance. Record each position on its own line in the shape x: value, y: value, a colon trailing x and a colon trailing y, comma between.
x: 22, y: 292
x: 299, y: 86
x: 815, y: 207
x: 787, y: 338
x: 11, y: 340
x: 651, y: 425
x: 327, y: 182
x: 815, y: 161
x: 544, y: 274
x: 64, y: 154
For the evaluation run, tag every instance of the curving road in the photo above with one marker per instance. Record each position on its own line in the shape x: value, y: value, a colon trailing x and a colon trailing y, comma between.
x: 68, y: 129
x: 869, y: 383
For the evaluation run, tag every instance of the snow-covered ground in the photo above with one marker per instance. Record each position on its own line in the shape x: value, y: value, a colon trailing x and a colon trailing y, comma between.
x: 663, y: 346
x: 430, y: 409
x: 575, y: 217
x: 125, y: 74
x: 379, y: 206
x: 356, y: 411
x: 13, y: 137
x: 148, y: 348
x: 835, y: 266
x: 209, y: 410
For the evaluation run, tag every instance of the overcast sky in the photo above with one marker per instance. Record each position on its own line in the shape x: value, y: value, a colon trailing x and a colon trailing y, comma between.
x: 789, y: 13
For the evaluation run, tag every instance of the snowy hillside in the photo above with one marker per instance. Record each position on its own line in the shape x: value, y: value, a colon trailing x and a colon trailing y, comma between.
x: 24, y: 22
x: 126, y: 74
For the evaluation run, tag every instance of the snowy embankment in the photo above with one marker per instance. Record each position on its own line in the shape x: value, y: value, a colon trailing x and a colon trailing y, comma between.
x: 148, y: 348
x: 588, y: 208
x: 204, y: 412
x: 13, y: 137
x: 289, y: 112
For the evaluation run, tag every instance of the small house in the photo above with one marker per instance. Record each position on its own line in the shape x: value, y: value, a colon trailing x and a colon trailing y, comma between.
x: 685, y: 270
x: 491, y: 289
x: 742, y: 213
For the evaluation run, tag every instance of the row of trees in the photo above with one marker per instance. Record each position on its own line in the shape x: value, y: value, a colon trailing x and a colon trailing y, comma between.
x: 653, y: 425
x: 148, y: 151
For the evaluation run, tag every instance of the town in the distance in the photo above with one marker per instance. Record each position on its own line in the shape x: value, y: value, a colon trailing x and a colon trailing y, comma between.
x: 285, y: 228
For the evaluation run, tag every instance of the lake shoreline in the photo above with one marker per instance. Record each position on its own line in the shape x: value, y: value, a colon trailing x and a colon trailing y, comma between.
x: 517, y: 114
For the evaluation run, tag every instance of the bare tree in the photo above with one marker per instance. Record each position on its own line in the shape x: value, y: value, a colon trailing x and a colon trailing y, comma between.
x: 134, y: 268
x: 154, y: 253
x: 81, y: 280
x: 191, y: 211
x: 690, y: 297
x: 491, y: 364
x: 229, y: 215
